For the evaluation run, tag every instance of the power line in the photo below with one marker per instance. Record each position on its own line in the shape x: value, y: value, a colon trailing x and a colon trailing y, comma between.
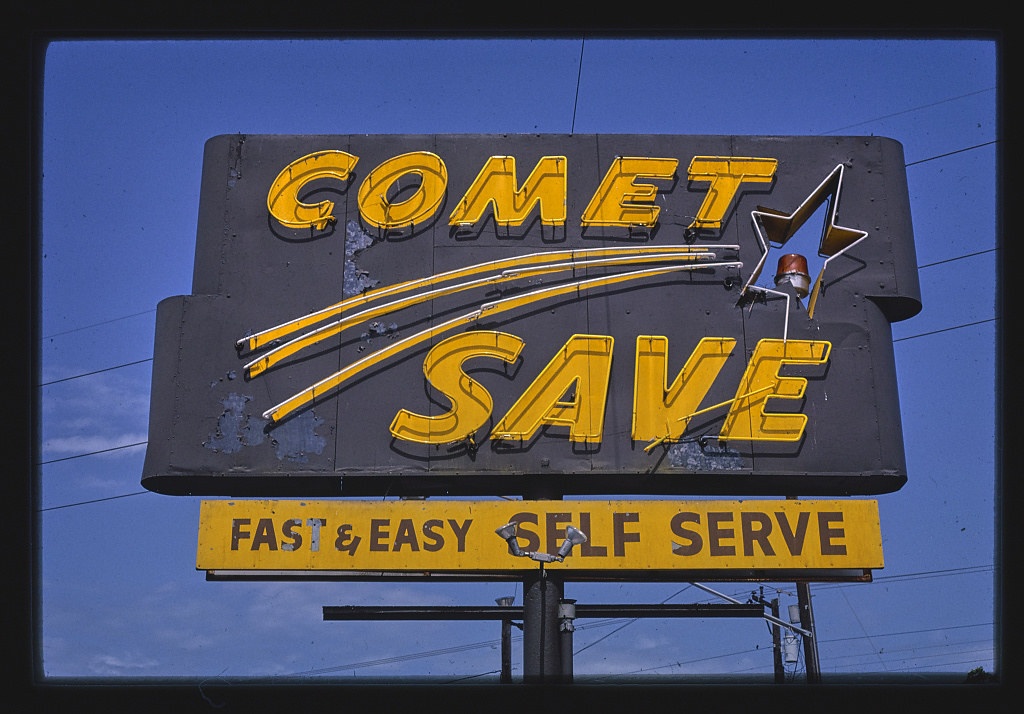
x: 97, y: 324
x: 912, y: 109
x: 912, y: 632
x: 98, y: 371
x: 400, y: 658
x: 95, y: 500
x: 895, y: 654
x: 579, y: 74
x: 959, y: 257
x: 945, y: 329
x: 860, y: 624
x: 933, y: 573
x: 951, y: 153
x: 93, y: 453
x: 627, y: 623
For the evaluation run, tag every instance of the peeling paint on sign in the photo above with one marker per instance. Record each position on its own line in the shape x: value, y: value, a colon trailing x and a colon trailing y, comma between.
x: 356, y: 281
x: 294, y: 439
x: 235, y: 428
x: 691, y: 455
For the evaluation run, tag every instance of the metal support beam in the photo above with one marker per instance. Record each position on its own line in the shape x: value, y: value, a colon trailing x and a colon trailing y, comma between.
x: 439, y: 612
x: 515, y: 612
x: 548, y: 623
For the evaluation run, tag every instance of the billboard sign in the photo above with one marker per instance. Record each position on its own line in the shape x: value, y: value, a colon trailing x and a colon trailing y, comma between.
x: 424, y: 315
x: 717, y: 539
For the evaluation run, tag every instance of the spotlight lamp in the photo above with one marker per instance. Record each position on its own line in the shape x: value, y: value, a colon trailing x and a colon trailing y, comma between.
x: 573, y: 537
x: 508, y: 534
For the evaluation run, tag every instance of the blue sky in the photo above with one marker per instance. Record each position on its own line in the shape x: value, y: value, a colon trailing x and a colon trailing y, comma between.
x: 123, y: 128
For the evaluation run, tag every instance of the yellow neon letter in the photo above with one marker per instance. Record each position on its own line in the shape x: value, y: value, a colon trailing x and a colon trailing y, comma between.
x: 374, y: 205
x: 747, y: 419
x: 620, y: 201
x: 661, y: 411
x: 496, y: 184
x: 283, y: 199
x: 582, y: 366
x: 471, y: 402
x: 725, y: 173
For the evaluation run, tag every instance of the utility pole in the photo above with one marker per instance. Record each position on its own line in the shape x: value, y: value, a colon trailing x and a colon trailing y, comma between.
x: 780, y: 671
x: 803, y: 594
x: 773, y: 605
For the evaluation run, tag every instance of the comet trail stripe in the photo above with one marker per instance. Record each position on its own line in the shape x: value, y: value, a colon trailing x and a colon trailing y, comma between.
x: 262, y: 338
x: 276, y: 355
x: 324, y: 386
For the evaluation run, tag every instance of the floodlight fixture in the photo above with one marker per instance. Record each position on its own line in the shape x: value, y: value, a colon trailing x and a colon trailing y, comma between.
x: 573, y: 537
x: 508, y: 534
x: 507, y: 531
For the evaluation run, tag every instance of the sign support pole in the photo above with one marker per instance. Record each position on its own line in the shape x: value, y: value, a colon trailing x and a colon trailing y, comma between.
x: 542, y: 593
x: 506, y: 651
x: 542, y: 661
x: 803, y: 596
x: 566, y: 626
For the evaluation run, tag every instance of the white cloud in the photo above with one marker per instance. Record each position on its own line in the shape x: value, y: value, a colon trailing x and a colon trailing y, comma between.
x: 108, y: 665
x: 98, y: 413
x: 94, y: 402
x: 53, y: 448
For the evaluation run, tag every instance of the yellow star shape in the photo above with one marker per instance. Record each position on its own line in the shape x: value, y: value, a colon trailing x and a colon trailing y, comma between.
x: 777, y: 227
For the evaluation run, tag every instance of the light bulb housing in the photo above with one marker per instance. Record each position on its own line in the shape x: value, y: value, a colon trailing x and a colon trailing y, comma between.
x: 573, y: 537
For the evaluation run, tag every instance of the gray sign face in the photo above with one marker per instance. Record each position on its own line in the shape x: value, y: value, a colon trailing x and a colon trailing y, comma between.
x: 538, y: 315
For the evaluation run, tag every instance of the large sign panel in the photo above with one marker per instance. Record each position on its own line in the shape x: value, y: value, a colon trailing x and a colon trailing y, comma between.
x: 537, y: 315
x: 721, y: 539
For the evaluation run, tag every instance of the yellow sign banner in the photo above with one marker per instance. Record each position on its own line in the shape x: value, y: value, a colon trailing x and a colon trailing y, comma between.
x: 433, y: 536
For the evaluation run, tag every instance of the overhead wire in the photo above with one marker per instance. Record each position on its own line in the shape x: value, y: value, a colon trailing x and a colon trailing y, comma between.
x: 93, y: 453
x: 951, y: 153
x: 579, y: 75
x: 95, y: 324
x: 95, y: 500
x: 628, y: 623
x: 96, y: 371
x: 908, y: 111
